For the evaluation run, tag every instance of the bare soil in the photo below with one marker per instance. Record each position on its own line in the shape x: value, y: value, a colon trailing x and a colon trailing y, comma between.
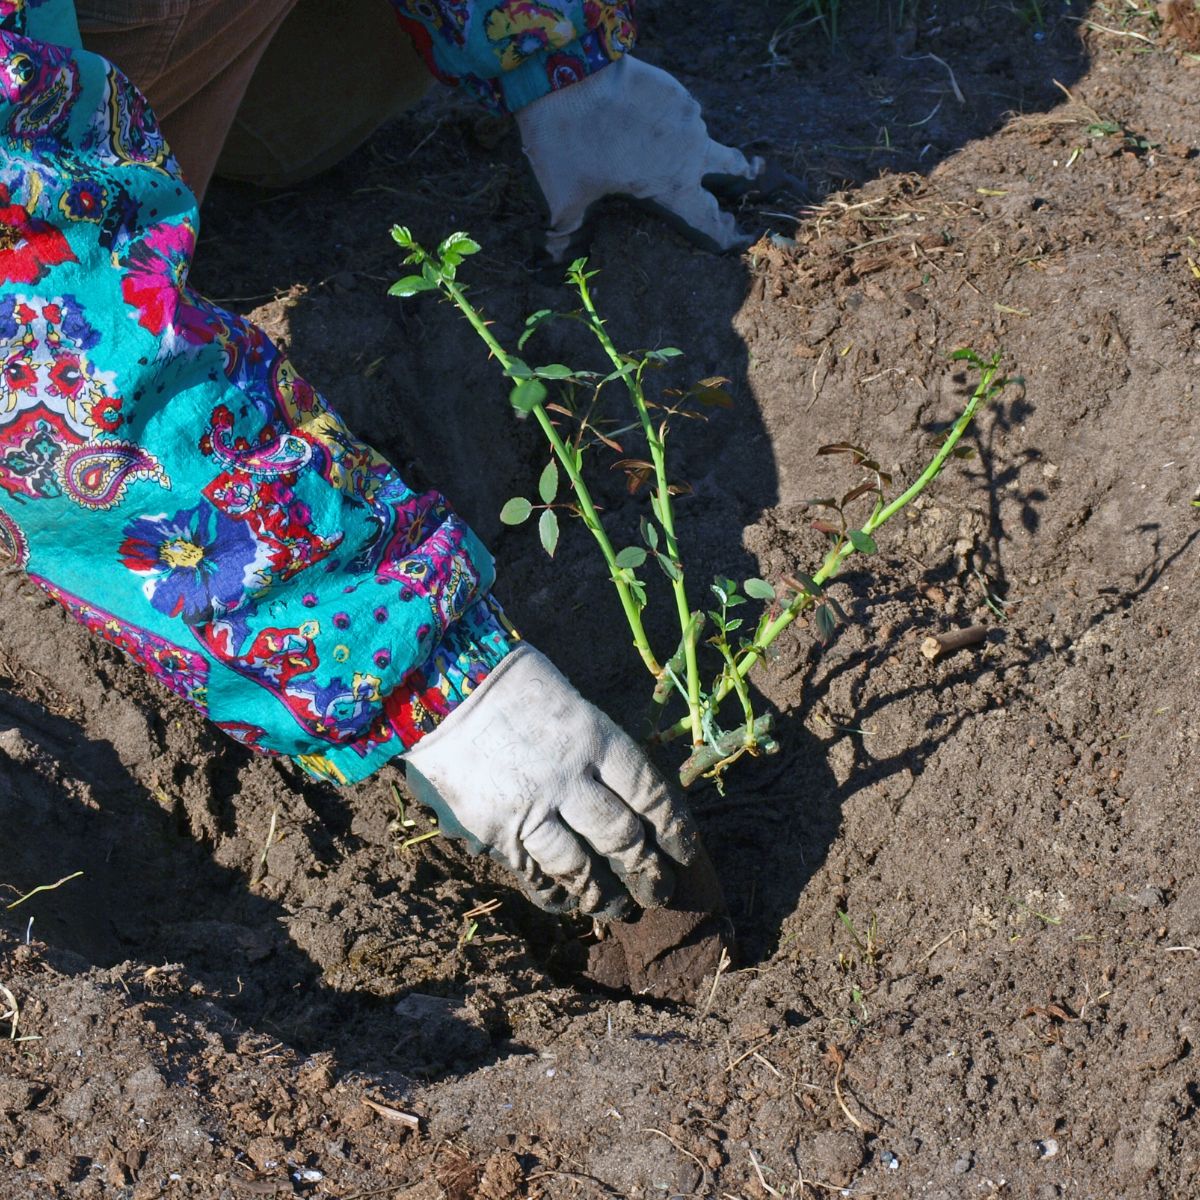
x: 1010, y: 1005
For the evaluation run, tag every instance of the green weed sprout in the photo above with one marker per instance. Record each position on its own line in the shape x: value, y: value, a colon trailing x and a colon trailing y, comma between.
x: 570, y: 423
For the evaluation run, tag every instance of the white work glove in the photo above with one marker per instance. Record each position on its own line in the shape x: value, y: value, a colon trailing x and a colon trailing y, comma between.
x: 631, y: 130
x: 529, y: 772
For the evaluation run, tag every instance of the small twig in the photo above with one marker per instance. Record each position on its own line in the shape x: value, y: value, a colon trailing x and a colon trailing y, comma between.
x: 837, y: 1092
x: 13, y: 1014
x: 949, y: 71
x: 722, y: 966
x: 682, y: 1150
x: 935, y: 948
x: 762, y: 1178
x: 741, y: 1058
x: 394, y: 1114
x: 955, y: 639
x: 608, y: 1191
x: 261, y: 870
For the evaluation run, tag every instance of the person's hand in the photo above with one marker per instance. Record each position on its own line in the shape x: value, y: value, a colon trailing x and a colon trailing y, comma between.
x: 529, y: 772
x: 632, y: 130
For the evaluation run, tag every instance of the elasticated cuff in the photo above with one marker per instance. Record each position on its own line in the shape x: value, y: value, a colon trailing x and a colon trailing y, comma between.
x: 473, y: 647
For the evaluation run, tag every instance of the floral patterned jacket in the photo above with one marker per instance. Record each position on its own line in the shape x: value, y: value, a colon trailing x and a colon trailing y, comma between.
x: 164, y: 472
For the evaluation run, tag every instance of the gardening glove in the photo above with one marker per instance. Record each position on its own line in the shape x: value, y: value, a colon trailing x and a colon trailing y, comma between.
x: 529, y: 772
x: 632, y: 130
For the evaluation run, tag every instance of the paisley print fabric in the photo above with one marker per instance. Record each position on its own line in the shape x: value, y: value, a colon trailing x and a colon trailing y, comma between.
x: 509, y: 53
x: 169, y: 478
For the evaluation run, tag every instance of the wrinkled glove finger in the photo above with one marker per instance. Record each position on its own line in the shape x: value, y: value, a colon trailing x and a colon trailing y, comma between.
x: 728, y: 163
x: 697, y: 215
x: 626, y: 771
x: 559, y: 854
x: 614, y: 831
x: 549, y: 895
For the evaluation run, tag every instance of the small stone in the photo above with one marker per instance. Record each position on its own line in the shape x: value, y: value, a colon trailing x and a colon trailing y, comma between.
x: 889, y: 1160
x: 1047, y: 1147
x: 963, y: 1164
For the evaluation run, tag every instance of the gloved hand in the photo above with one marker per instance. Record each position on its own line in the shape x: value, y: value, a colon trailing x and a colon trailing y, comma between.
x: 530, y: 772
x: 631, y: 130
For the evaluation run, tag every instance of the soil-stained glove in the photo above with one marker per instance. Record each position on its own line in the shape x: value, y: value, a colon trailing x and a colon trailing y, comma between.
x: 631, y: 130
x: 530, y: 772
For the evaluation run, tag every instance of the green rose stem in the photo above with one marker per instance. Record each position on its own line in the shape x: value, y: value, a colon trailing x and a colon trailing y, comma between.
x: 655, y: 441
x: 566, y: 458
x: 771, y: 629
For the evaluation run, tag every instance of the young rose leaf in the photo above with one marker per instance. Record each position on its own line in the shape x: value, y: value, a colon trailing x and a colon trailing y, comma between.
x: 516, y: 511
x: 527, y: 395
x: 671, y: 571
x: 825, y: 623
x: 403, y: 235
x: 410, y: 285
x: 827, y: 527
x: 554, y: 371
x: 664, y: 353
x: 459, y: 243
x: 649, y: 533
x: 861, y: 490
x: 711, y: 392
x: 864, y: 543
x: 548, y: 482
x: 631, y: 557
x: 842, y: 448
x: 532, y: 323
x: 548, y: 530
x: 759, y: 589
x: 966, y: 355
x: 838, y: 610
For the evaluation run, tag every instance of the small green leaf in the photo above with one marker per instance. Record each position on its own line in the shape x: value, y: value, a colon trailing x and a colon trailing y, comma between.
x: 548, y: 482
x: 671, y: 571
x: 516, y: 511
x: 825, y: 624
x: 864, y: 543
x: 639, y: 593
x: 518, y: 369
x: 410, y: 285
x: 527, y: 395
x: 459, y: 244
x: 759, y: 589
x: 649, y: 533
x: 663, y: 354
x: 548, y: 530
x: 966, y: 355
x: 631, y: 557
x: 554, y: 371
x: 429, y: 272
x: 730, y: 626
x: 403, y: 235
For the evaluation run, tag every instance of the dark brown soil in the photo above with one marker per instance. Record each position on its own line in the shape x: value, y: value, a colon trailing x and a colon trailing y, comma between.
x: 1010, y: 1004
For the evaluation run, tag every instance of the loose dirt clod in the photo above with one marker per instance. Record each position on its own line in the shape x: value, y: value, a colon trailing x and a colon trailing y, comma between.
x: 668, y: 952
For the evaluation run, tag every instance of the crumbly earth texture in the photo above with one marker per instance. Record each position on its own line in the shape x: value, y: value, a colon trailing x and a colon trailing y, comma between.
x: 966, y: 892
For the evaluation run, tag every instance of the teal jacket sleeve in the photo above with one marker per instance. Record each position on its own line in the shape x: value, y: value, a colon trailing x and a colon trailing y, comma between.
x: 168, y: 476
x: 509, y: 53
